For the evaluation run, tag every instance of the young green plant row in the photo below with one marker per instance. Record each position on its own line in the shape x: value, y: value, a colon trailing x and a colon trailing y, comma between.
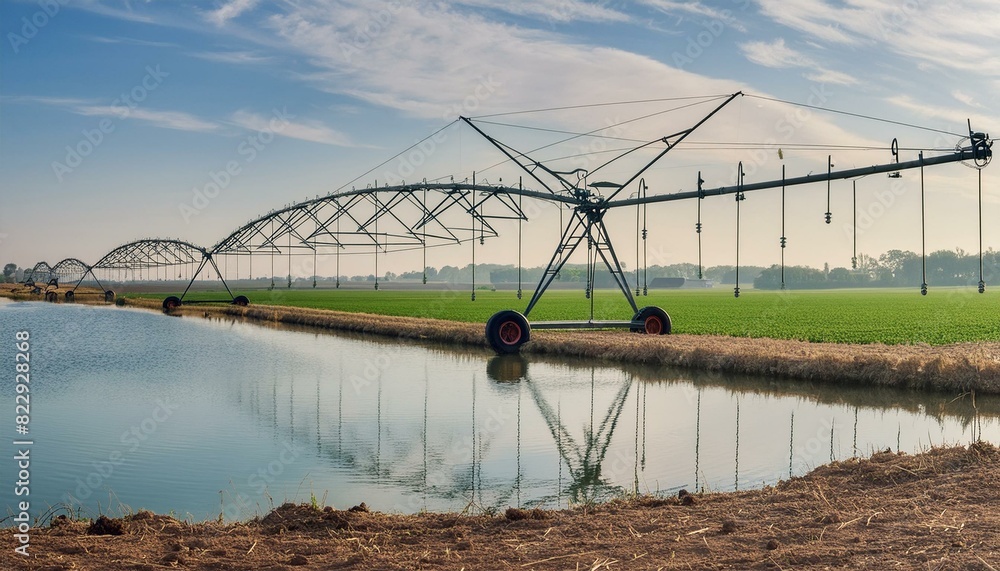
x: 891, y: 316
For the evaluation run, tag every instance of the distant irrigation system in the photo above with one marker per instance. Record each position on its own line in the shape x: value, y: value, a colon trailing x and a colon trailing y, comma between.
x: 377, y: 220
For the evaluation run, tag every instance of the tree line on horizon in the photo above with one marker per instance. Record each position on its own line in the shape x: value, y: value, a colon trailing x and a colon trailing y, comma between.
x: 894, y: 268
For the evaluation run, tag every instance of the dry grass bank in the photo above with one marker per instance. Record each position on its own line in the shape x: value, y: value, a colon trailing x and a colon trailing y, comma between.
x: 960, y: 367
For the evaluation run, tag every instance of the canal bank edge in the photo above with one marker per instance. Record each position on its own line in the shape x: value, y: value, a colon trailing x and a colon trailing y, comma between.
x: 962, y: 367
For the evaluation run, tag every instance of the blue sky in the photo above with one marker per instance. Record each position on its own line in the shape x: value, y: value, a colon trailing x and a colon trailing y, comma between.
x: 113, y: 114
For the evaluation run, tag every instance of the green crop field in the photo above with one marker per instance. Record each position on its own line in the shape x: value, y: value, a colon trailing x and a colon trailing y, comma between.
x: 945, y: 315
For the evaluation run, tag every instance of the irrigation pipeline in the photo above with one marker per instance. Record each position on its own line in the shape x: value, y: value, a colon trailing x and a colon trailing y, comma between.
x: 577, y: 195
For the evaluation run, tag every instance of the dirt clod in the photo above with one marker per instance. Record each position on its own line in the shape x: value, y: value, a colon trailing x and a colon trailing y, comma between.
x: 362, y: 507
x: 729, y: 526
x: 517, y: 514
x: 173, y: 558
x: 298, y: 560
x: 105, y: 526
x: 830, y: 518
x: 773, y: 544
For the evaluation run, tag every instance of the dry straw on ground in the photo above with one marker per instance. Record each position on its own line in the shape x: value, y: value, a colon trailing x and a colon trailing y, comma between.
x: 936, y: 510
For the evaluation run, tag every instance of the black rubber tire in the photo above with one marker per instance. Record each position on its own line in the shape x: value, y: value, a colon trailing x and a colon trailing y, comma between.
x: 241, y: 300
x: 51, y: 296
x: 656, y: 321
x: 109, y: 296
x: 70, y: 297
x: 172, y: 302
x: 506, y: 331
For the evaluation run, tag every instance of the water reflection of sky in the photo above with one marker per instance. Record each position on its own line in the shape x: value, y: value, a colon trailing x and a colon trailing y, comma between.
x: 196, y: 417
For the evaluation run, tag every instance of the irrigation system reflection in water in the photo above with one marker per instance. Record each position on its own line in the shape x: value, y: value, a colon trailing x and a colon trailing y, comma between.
x: 199, y: 416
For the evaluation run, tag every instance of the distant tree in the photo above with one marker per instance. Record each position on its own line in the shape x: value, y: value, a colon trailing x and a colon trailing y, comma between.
x: 893, y: 261
x: 796, y: 277
x: 9, y: 271
x: 839, y: 277
x: 868, y: 265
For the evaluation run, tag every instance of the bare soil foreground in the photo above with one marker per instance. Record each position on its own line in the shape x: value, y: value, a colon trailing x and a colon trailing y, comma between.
x: 936, y: 510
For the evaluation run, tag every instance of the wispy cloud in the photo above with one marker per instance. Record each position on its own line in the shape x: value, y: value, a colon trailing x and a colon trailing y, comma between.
x: 965, y: 98
x: 235, y: 57
x: 957, y: 119
x: 306, y: 131
x: 943, y: 34
x: 436, y: 62
x: 176, y: 120
x: 131, y: 42
x: 776, y: 54
x: 126, y: 13
x: 815, y: 18
x: 833, y: 77
x: 700, y: 10
x: 553, y: 10
x: 46, y: 100
x: 230, y: 10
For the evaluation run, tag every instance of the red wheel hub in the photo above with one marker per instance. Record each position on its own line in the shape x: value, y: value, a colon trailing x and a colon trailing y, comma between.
x: 510, y: 332
x: 653, y: 325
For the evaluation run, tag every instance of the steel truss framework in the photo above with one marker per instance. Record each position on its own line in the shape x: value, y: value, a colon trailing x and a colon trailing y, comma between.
x: 40, y: 273
x: 377, y: 220
x: 506, y: 331
x: 67, y: 270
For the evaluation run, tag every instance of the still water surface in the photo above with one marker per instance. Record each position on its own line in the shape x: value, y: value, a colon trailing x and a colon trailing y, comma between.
x: 137, y: 410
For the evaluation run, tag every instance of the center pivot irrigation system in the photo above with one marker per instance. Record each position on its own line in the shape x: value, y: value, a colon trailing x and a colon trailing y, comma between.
x: 507, y: 330
x: 377, y: 220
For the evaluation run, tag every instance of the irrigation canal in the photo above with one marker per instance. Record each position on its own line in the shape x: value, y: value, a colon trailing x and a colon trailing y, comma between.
x: 137, y: 410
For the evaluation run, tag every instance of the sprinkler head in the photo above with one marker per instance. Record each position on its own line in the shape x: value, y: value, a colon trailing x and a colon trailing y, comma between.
x: 982, y: 286
x: 736, y: 291
x: 923, y: 289
x: 829, y: 217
